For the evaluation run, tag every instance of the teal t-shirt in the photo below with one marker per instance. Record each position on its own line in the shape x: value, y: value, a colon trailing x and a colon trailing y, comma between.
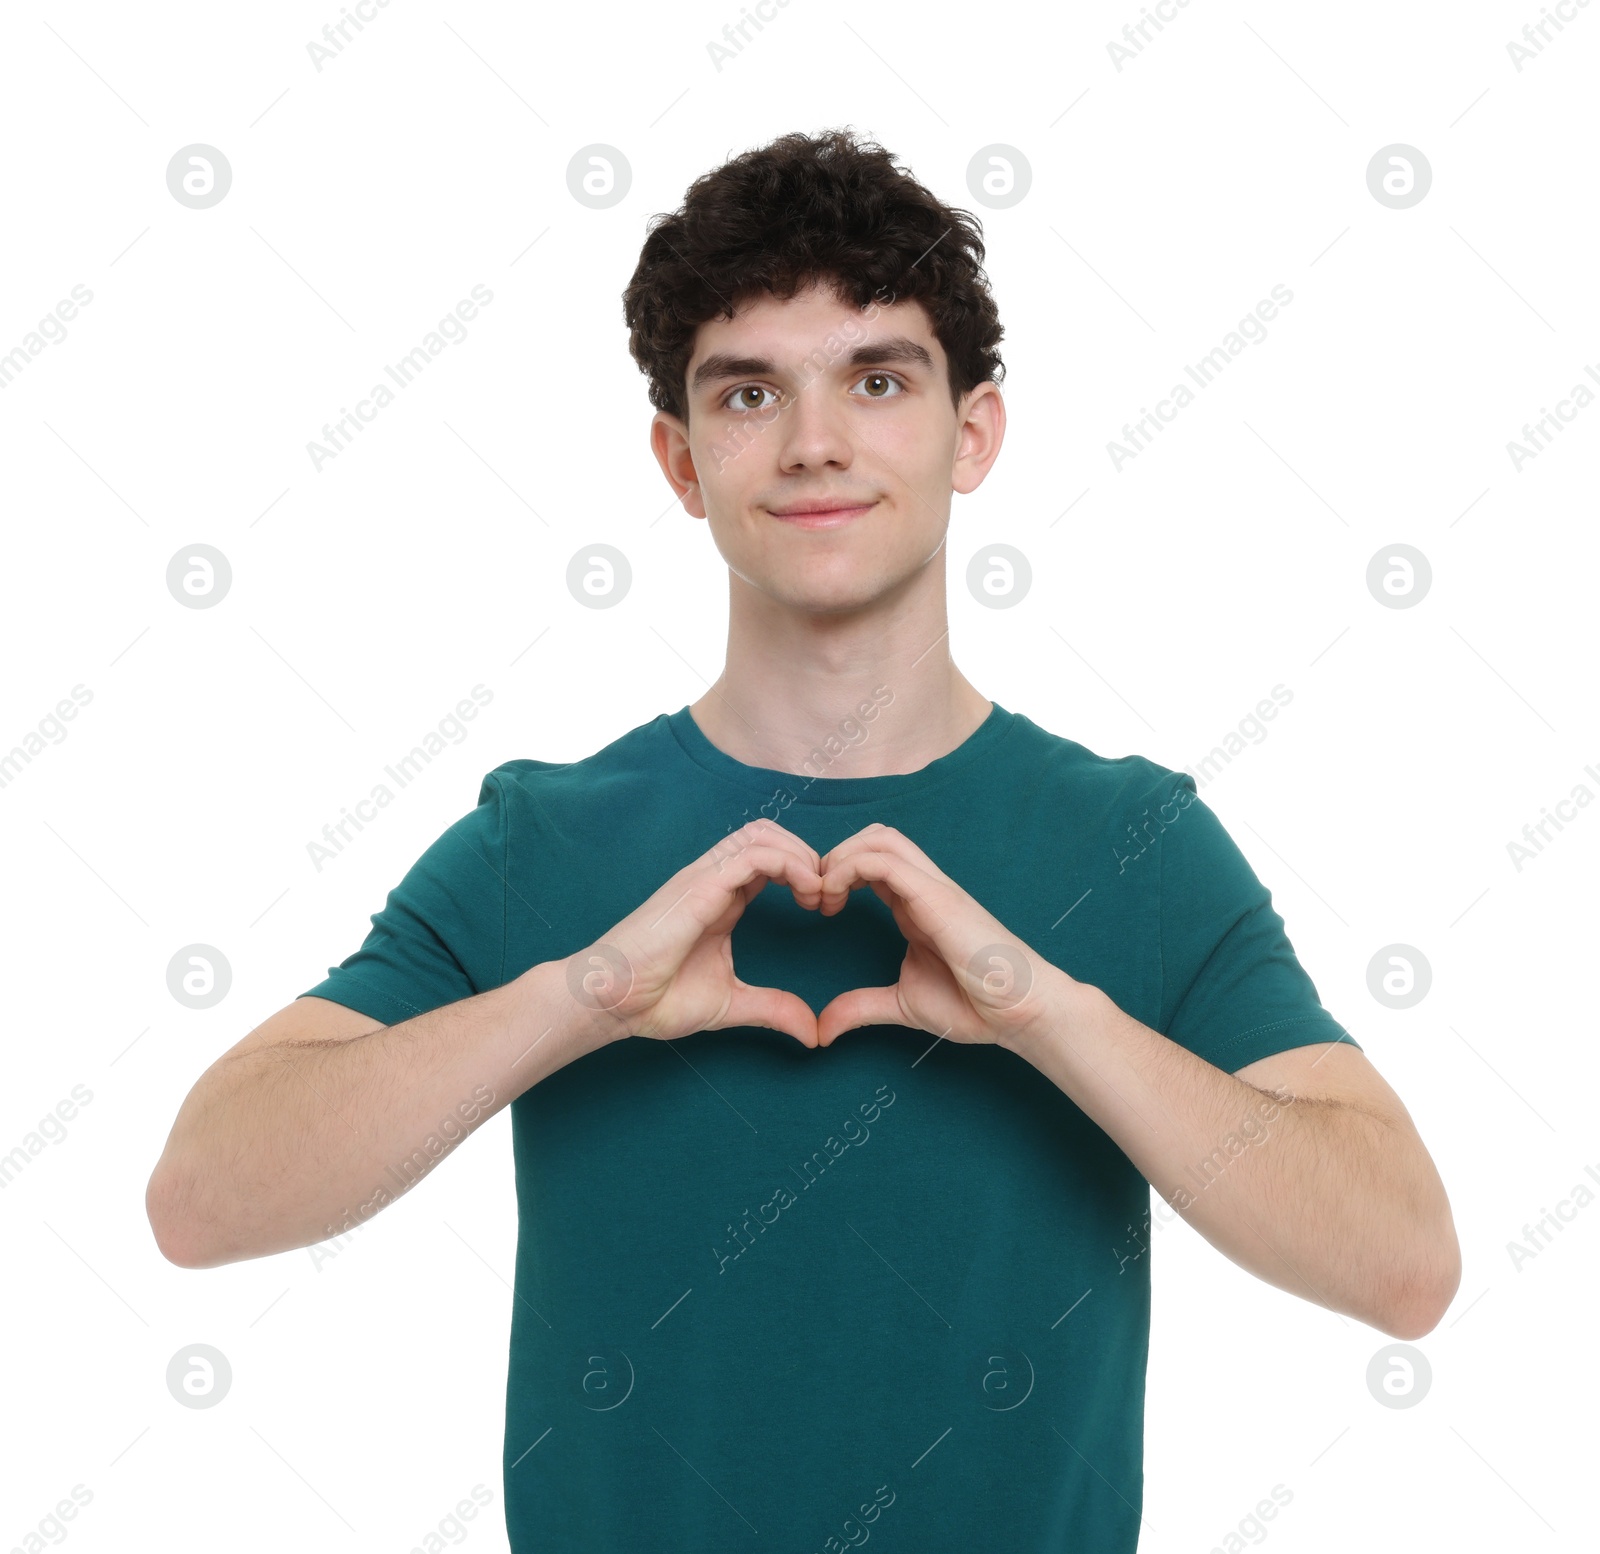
x: 769, y: 1297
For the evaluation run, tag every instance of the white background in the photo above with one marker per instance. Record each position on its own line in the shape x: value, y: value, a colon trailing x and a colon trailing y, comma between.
x: 1167, y: 199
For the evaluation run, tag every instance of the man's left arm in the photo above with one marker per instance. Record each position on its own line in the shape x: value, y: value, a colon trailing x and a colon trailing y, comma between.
x: 1303, y: 1167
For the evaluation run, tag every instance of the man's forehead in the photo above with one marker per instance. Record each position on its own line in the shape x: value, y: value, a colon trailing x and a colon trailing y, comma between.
x: 821, y: 301
x: 793, y: 327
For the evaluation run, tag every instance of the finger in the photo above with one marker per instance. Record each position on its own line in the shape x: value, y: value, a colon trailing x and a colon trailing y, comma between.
x: 902, y: 918
x: 929, y: 905
x: 773, y: 1008
x: 879, y: 837
x: 749, y: 890
x: 741, y: 878
x: 765, y: 832
x: 860, y: 1006
x: 722, y: 869
x: 786, y: 858
x: 699, y: 901
x: 738, y: 900
x: 923, y: 896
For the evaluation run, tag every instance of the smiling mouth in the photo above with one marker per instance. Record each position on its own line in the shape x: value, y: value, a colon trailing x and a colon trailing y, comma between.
x: 818, y: 517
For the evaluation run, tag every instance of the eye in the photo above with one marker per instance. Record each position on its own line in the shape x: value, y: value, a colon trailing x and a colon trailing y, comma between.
x: 885, y: 382
x: 742, y: 402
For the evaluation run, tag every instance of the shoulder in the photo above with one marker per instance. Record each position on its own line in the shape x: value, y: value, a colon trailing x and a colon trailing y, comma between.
x: 628, y: 759
x: 1103, y: 786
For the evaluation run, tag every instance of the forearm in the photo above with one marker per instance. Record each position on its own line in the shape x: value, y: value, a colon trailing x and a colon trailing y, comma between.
x: 1331, y: 1203
x: 293, y: 1142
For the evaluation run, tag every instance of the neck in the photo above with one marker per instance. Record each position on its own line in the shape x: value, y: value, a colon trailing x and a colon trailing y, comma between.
x: 795, y: 680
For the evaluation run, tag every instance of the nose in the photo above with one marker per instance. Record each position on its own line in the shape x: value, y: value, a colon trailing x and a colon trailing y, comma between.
x: 813, y: 431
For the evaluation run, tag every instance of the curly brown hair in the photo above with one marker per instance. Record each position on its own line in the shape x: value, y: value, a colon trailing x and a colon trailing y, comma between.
x: 829, y: 208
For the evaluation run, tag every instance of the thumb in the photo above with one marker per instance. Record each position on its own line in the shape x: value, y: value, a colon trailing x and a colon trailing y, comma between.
x: 773, y: 1008
x: 860, y: 1006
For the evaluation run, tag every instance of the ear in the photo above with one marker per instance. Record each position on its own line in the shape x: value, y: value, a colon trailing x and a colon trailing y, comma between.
x: 982, y: 414
x: 669, y: 441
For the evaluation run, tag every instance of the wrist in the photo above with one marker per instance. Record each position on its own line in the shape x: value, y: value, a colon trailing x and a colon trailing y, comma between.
x: 1061, y: 1005
x: 559, y: 1010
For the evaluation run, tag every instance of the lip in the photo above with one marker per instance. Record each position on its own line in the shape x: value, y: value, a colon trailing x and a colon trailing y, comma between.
x: 806, y: 516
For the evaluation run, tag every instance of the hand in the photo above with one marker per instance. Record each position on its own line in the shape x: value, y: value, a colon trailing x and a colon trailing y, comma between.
x: 965, y: 977
x: 666, y: 969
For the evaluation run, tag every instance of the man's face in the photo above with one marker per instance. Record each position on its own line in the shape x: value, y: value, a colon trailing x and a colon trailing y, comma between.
x: 815, y: 403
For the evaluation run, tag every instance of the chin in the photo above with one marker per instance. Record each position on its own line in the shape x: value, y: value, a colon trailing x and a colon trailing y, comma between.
x: 822, y: 584
x: 821, y: 599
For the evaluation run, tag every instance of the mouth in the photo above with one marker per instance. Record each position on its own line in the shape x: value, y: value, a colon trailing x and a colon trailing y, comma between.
x: 820, y: 515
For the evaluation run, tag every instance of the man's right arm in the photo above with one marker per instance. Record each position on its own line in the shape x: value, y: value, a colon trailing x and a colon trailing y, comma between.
x: 321, y: 1115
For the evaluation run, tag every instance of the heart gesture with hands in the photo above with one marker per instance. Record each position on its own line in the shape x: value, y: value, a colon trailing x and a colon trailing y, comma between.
x: 666, y: 969
x: 965, y: 976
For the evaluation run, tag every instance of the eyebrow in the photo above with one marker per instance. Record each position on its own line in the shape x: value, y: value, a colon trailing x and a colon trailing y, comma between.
x: 719, y: 367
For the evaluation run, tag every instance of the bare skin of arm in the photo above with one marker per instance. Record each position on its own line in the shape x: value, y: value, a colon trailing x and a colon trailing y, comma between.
x: 1320, y: 1185
x: 322, y: 1116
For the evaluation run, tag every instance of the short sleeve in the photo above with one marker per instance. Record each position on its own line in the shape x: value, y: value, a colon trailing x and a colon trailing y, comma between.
x: 1232, y: 988
x: 441, y: 935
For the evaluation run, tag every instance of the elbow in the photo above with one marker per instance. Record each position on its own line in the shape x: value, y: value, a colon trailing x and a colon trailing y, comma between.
x: 1418, y: 1305
x: 1413, y: 1321
x: 173, y: 1225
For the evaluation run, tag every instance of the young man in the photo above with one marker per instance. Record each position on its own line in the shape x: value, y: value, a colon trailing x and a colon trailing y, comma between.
x: 834, y: 1196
